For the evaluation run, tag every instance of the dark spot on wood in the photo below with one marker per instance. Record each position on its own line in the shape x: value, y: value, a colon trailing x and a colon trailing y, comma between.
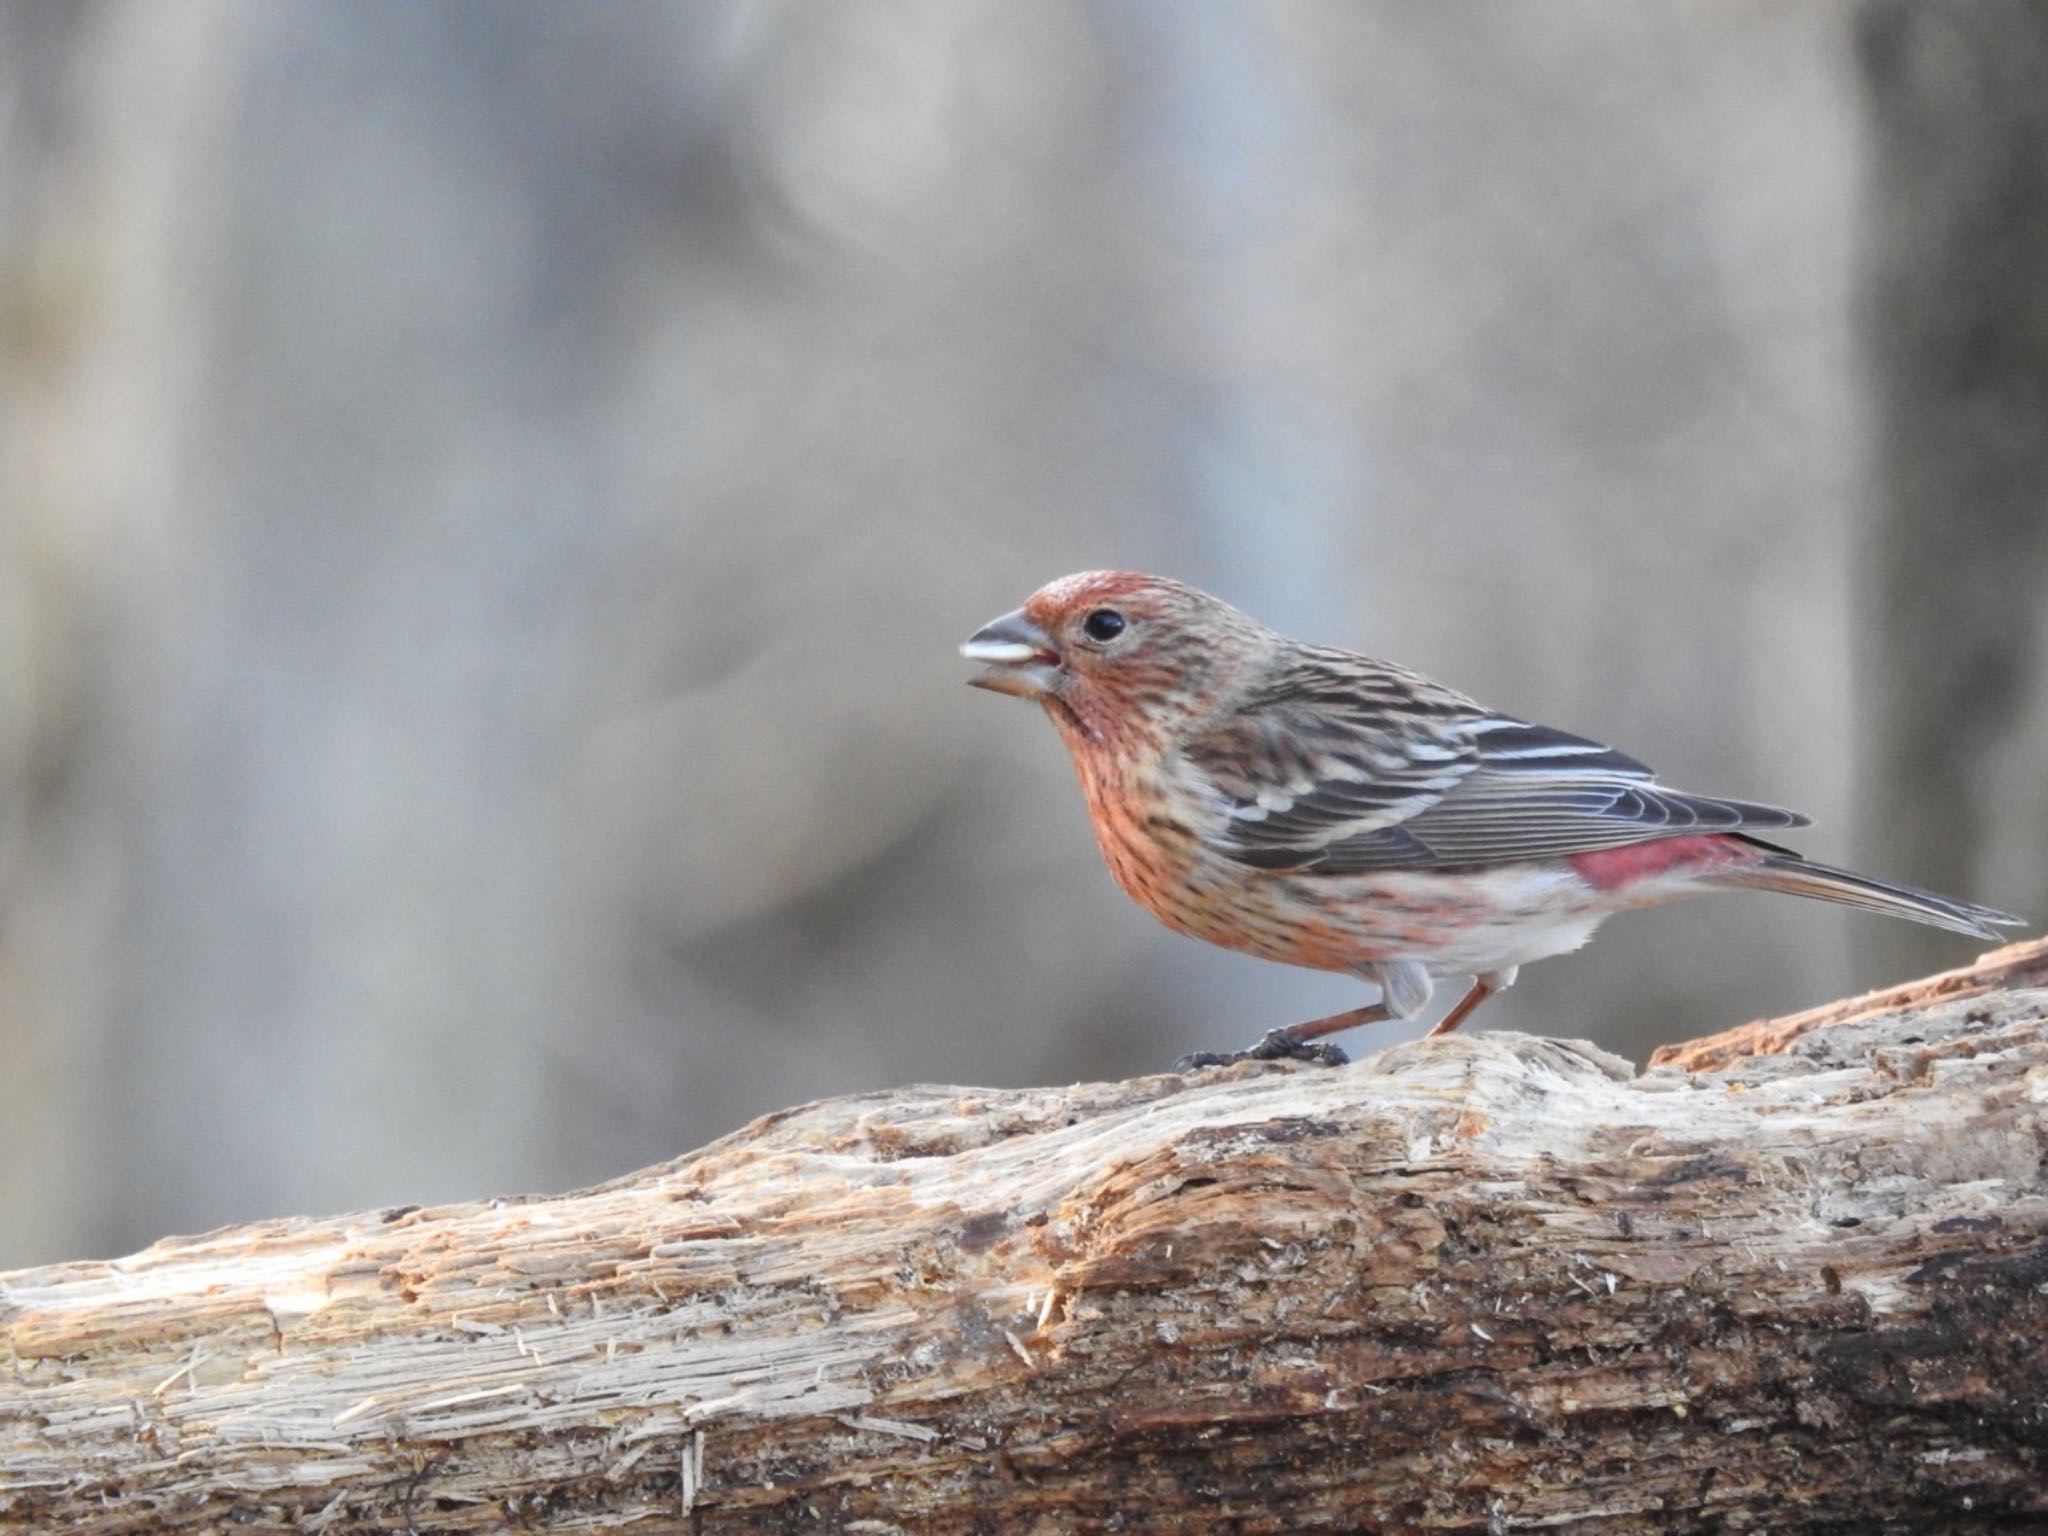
x: 1710, y: 1165
x: 1896, y: 1346
x: 1968, y: 1224
x: 2027, y: 1268
x: 1298, y: 1129
x: 1832, y: 1279
x: 1941, y: 1267
x: 978, y: 1234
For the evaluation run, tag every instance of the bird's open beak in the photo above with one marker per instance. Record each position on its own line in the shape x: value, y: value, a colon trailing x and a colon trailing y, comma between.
x: 1020, y: 657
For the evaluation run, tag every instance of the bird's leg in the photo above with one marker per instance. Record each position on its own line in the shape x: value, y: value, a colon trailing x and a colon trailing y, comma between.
x: 1294, y: 1043
x: 1483, y: 987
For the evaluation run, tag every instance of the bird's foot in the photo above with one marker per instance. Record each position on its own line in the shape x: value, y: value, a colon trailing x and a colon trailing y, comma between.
x: 1276, y: 1045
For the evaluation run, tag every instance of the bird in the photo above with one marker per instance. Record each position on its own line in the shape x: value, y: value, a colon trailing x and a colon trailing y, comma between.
x: 1321, y: 808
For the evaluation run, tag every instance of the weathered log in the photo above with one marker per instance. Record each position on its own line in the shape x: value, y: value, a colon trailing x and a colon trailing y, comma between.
x: 1480, y: 1283
x: 2017, y: 965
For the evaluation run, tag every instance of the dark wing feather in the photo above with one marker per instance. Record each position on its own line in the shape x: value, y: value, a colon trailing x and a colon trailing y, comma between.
x: 1329, y: 753
x: 1342, y: 766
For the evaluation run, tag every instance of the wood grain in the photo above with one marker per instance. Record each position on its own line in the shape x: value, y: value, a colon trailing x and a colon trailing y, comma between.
x: 1480, y: 1283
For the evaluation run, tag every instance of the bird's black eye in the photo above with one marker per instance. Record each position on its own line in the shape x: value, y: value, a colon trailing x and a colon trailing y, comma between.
x: 1103, y: 624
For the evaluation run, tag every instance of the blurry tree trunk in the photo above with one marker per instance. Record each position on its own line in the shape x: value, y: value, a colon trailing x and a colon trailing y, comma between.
x: 1479, y: 1283
x: 1956, y: 326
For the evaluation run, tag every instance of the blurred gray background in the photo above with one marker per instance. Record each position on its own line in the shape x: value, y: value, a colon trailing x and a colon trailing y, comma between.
x: 489, y: 495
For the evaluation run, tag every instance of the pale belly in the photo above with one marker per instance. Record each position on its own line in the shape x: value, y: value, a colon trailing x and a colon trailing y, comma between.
x: 1454, y: 925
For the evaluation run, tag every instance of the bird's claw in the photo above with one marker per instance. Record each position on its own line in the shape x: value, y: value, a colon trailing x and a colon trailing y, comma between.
x: 1274, y: 1045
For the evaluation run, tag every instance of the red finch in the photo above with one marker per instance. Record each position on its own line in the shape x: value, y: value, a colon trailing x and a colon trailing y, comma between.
x: 1324, y: 809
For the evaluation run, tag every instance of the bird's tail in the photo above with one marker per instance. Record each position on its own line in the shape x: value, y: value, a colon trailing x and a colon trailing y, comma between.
x: 1787, y: 872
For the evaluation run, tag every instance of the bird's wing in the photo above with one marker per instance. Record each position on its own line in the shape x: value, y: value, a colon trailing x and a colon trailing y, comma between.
x: 1339, y: 766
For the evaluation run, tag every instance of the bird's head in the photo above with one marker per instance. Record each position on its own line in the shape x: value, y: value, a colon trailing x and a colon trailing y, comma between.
x: 1113, y: 653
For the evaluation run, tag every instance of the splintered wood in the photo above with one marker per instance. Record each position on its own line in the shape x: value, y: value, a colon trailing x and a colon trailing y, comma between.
x: 1477, y: 1283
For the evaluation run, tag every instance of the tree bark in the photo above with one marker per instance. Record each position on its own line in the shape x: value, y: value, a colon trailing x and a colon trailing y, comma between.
x: 1480, y: 1283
